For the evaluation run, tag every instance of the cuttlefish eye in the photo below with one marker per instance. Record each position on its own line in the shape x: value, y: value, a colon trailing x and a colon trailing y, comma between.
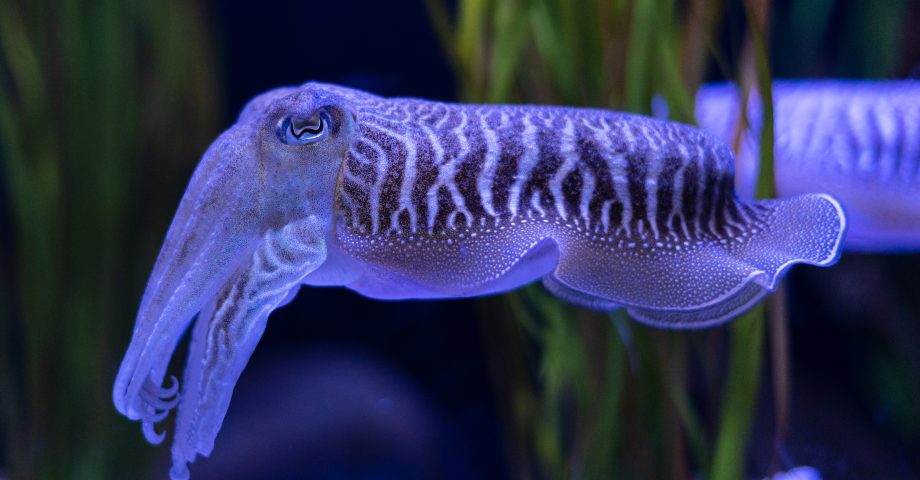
x: 297, y: 130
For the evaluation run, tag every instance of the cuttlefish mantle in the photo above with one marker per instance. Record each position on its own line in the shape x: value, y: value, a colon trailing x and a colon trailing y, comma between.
x: 407, y: 198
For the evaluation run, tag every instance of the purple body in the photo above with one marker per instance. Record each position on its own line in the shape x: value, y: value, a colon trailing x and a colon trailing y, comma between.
x: 406, y: 198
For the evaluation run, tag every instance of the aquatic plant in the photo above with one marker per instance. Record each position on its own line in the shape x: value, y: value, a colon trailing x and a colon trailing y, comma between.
x: 101, y: 105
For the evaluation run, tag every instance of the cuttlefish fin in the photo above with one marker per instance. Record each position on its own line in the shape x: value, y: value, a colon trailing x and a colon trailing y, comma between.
x: 707, y: 282
x: 228, y: 329
x: 573, y: 295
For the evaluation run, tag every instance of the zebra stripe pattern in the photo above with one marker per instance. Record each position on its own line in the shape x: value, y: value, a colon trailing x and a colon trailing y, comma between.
x: 427, y: 168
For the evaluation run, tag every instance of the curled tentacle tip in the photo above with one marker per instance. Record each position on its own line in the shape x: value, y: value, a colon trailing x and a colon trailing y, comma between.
x: 151, y: 434
x: 157, y: 416
x: 158, y: 403
x: 160, y: 400
x: 152, y: 389
x: 172, y: 389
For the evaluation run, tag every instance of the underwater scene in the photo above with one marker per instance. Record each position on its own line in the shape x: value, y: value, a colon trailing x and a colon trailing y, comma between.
x: 460, y: 239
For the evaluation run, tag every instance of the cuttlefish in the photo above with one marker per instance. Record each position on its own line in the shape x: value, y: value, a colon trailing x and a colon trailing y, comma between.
x: 858, y: 140
x: 400, y: 198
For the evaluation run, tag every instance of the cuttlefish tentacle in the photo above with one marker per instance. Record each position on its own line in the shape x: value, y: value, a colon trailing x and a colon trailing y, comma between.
x: 159, y: 402
x: 404, y: 198
x: 200, y: 251
x: 227, y: 331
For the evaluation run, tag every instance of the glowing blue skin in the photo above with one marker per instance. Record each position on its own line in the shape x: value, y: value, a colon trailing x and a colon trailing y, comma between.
x: 405, y: 198
x: 856, y: 140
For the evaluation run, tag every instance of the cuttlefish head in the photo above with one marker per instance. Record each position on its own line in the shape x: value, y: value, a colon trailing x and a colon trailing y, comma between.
x: 250, y: 226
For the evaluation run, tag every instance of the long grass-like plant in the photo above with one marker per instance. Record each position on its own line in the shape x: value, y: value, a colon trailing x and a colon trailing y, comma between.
x: 104, y: 107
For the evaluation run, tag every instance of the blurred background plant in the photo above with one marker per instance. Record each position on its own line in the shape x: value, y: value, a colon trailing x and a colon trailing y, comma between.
x: 105, y: 107
x: 102, y: 107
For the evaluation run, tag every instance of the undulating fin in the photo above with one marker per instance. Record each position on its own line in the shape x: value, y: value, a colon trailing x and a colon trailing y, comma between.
x: 578, y: 297
x: 732, y: 306
x: 702, y: 283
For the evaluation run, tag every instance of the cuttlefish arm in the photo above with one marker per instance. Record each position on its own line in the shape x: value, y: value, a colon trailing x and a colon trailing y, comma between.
x: 230, y: 326
x: 253, y: 223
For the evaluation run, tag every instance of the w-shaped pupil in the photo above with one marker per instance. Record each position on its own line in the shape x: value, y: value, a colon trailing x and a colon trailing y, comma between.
x: 312, y: 127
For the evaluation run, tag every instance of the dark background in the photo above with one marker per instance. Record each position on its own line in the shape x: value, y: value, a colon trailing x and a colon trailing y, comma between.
x: 346, y: 387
